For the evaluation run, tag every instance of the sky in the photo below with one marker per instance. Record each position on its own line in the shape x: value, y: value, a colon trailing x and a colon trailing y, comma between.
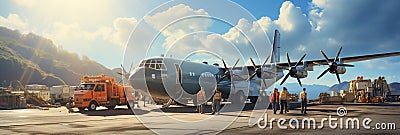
x: 100, y: 29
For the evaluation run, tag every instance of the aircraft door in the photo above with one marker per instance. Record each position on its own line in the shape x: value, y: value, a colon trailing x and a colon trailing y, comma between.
x: 179, y: 74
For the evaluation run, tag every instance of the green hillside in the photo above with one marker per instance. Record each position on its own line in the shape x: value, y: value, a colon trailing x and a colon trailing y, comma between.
x: 34, y: 59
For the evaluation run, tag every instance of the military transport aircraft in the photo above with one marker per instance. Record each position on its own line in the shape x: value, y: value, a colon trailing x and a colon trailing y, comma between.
x: 173, y: 79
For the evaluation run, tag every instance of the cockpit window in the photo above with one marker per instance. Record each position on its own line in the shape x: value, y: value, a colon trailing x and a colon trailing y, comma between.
x: 154, y: 64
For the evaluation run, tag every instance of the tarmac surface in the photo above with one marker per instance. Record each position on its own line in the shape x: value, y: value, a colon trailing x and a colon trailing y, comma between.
x: 123, y: 121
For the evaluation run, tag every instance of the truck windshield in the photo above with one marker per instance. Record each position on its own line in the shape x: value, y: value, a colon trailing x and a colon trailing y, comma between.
x: 86, y: 87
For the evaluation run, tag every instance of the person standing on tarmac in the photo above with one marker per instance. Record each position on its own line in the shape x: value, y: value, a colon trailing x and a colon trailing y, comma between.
x: 303, y: 97
x: 216, y: 104
x: 284, y: 96
x: 69, y: 105
x: 201, y: 99
x: 275, y: 99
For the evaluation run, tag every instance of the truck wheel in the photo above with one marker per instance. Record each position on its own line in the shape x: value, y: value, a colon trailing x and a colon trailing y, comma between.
x: 92, y: 106
x: 113, y: 103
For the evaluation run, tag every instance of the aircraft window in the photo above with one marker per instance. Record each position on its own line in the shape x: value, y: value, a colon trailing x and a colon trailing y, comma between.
x: 152, y: 65
x: 158, y: 66
x: 148, y: 61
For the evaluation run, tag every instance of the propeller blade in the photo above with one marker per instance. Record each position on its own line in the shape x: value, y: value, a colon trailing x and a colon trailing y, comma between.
x: 326, y: 57
x: 235, y: 64
x: 251, y: 77
x: 265, y: 84
x: 337, y: 76
x: 130, y: 69
x: 338, y: 53
x: 323, y: 73
x: 298, y: 80
x: 254, y: 65
x: 300, y: 60
x: 123, y: 69
x: 226, y: 67
x: 346, y: 65
x: 288, y: 59
x: 222, y: 78
x: 265, y: 61
x: 284, y: 79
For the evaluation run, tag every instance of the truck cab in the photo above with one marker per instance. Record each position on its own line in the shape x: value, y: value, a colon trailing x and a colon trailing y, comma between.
x: 101, y: 91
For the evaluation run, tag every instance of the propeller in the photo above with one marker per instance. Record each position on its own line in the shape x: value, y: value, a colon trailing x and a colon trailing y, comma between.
x: 292, y: 69
x: 258, y: 71
x: 227, y: 73
x: 124, y: 73
x: 333, y: 65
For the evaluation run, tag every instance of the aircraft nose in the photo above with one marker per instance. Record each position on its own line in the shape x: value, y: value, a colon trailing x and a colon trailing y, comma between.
x: 138, y: 80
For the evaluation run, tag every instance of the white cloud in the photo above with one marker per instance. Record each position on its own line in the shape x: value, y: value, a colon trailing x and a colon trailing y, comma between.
x: 118, y: 34
x: 25, y: 3
x: 163, y: 22
x: 13, y: 21
x: 301, y: 48
x: 123, y: 27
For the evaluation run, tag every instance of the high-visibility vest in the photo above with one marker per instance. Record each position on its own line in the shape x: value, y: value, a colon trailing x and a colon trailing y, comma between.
x: 275, y: 96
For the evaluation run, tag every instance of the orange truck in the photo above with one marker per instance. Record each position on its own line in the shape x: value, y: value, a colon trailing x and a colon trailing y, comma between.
x: 102, y: 90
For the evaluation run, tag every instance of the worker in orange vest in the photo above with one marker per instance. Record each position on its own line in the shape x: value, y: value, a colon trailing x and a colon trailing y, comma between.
x: 275, y: 99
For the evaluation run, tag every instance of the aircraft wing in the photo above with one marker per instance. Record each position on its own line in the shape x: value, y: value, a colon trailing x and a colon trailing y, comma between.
x: 284, y: 65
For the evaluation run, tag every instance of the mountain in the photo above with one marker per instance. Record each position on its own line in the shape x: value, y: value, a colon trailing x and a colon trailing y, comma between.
x: 34, y: 59
x: 313, y: 90
x: 341, y: 86
x: 394, y: 86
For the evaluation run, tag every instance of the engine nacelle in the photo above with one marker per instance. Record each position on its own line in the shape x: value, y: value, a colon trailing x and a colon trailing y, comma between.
x: 340, y: 70
x: 301, y: 72
x: 269, y: 72
x: 239, y: 74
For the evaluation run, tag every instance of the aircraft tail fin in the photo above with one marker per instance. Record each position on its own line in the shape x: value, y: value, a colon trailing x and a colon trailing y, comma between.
x: 275, y: 54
